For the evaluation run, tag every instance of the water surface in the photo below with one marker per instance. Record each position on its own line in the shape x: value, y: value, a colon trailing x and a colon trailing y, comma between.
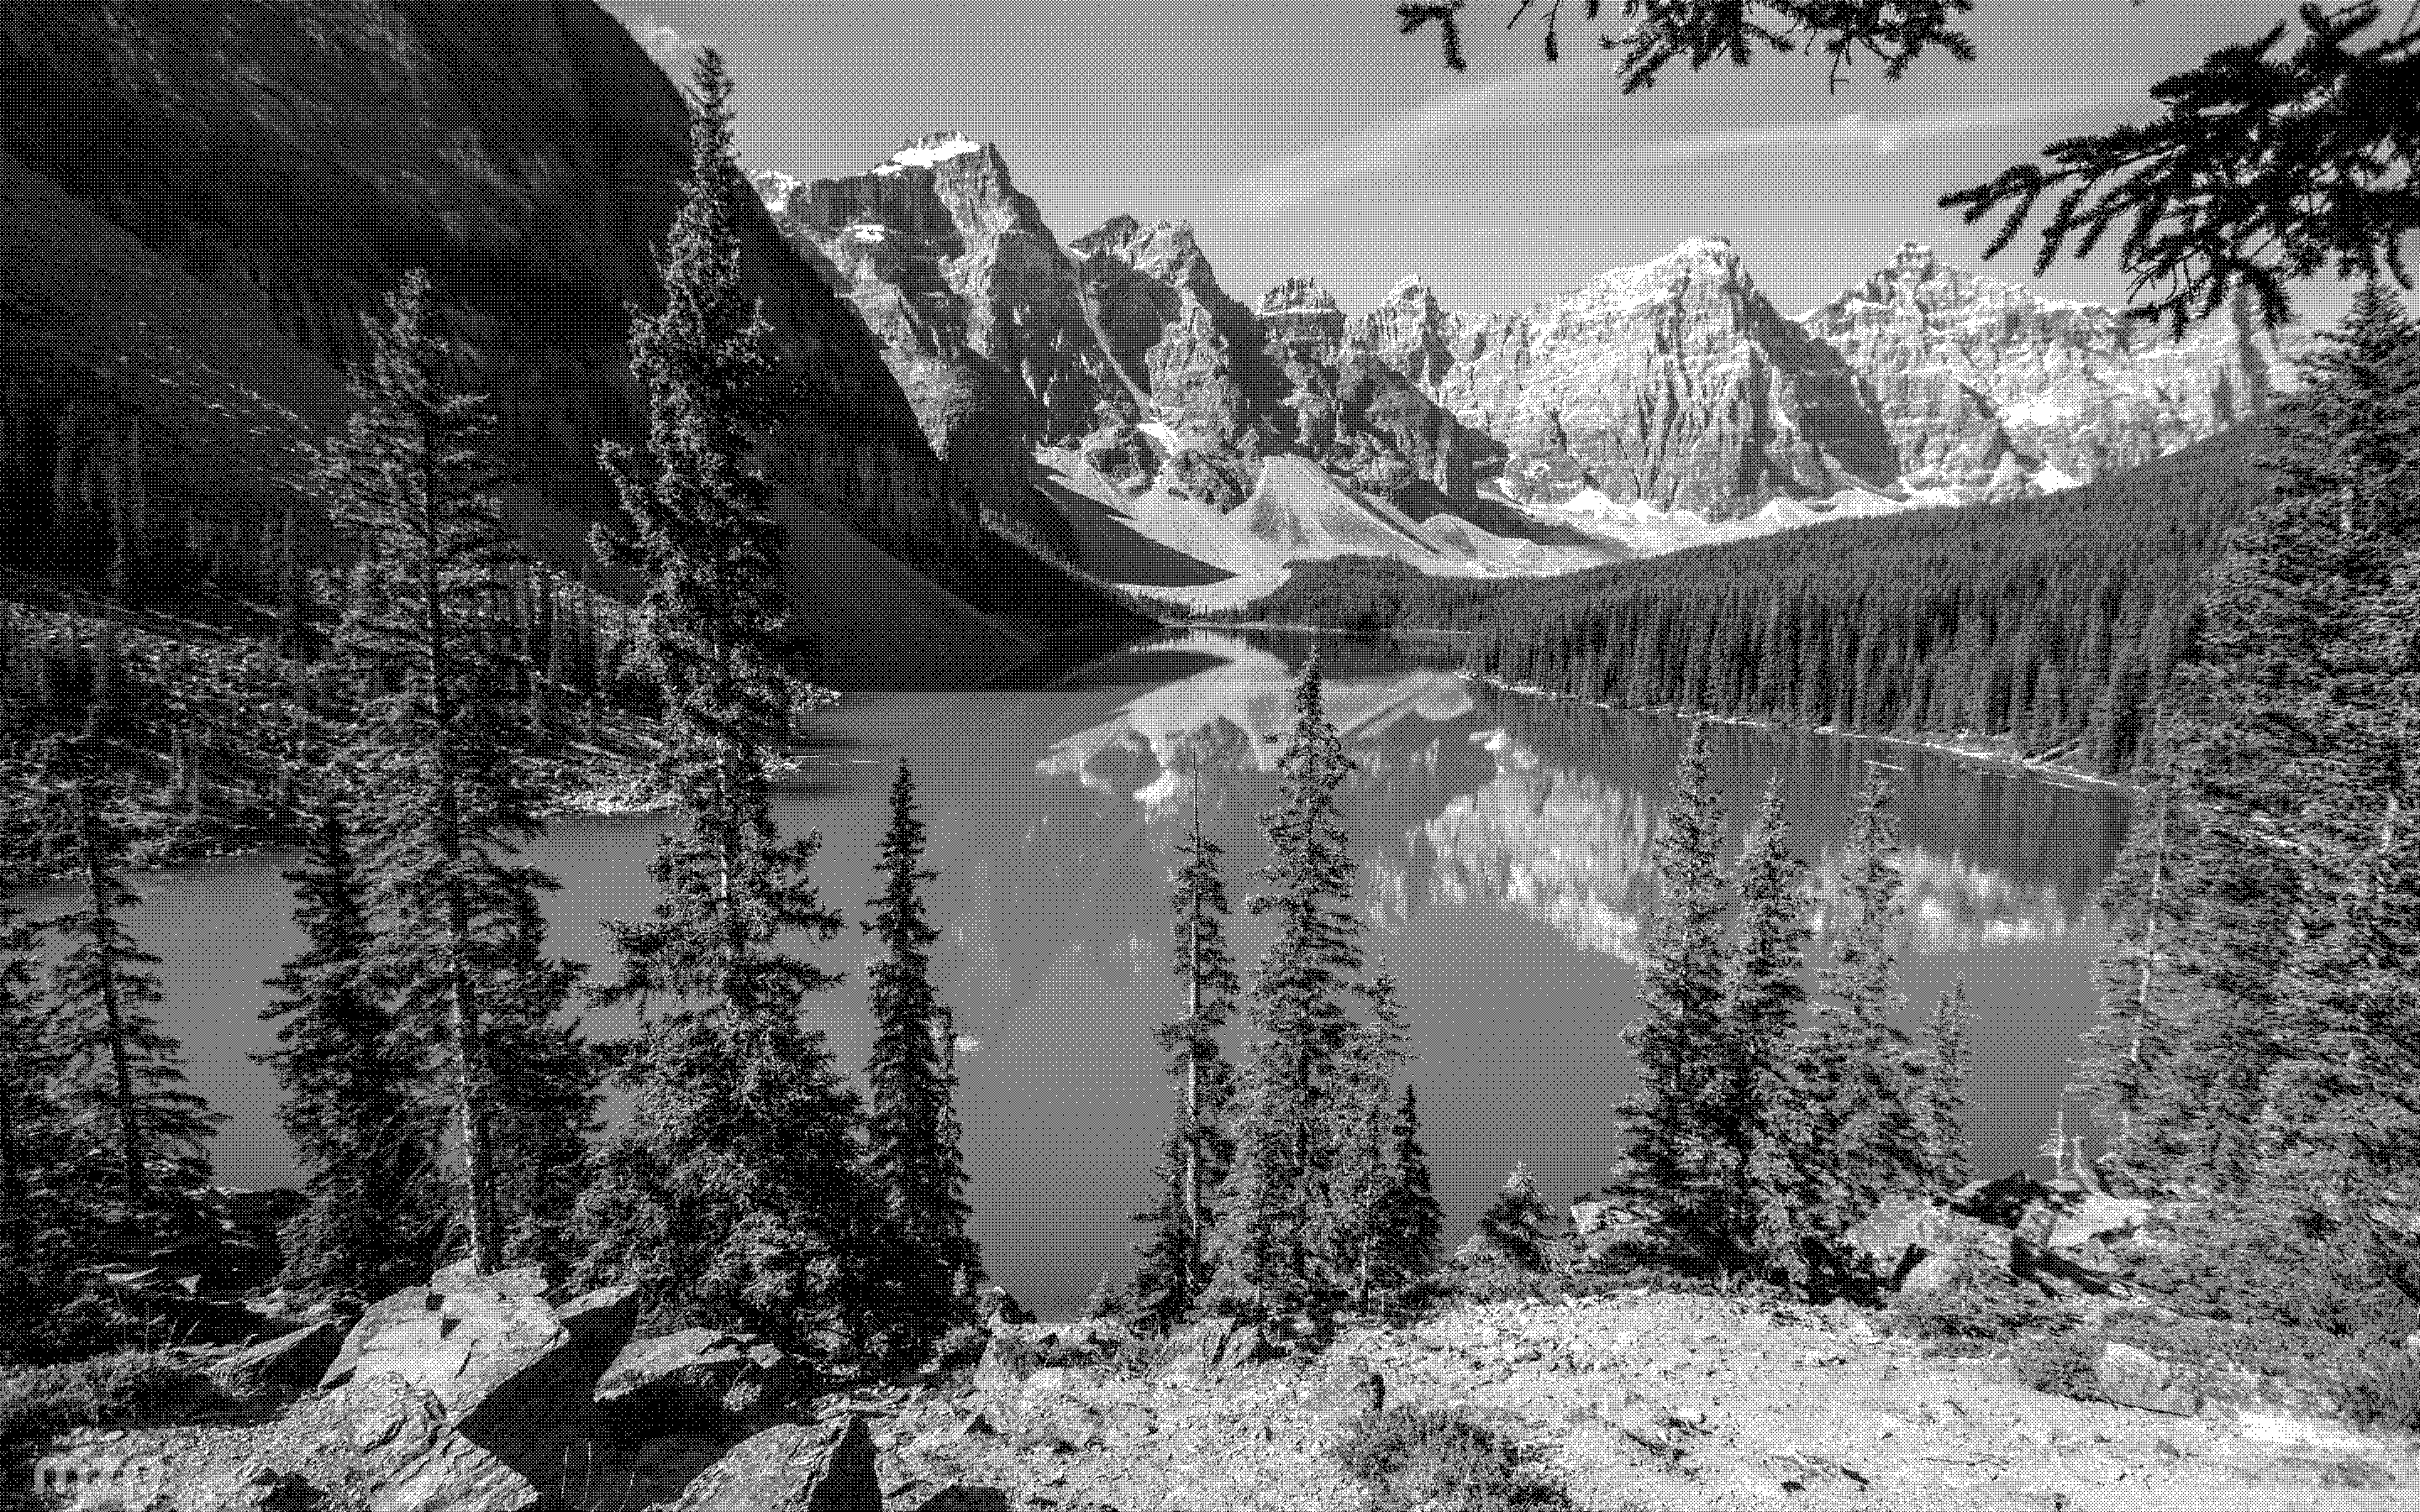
x: 1503, y: 842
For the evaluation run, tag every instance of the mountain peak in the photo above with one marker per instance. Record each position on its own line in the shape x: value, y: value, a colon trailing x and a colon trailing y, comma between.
x: 1914, y: 259
x: 1302, y: 292
x: 775, y: 188
x: 931, y: 150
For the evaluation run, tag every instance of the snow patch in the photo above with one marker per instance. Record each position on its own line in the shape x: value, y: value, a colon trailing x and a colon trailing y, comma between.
x: 2039, y: 410
x: 775, y: 188
x: 930, y: 151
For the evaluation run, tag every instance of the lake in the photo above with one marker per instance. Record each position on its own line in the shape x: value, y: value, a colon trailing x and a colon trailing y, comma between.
x: 1504, y: 845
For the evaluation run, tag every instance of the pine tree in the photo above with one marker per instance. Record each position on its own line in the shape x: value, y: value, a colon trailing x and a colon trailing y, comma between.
x: 34, y: 1150
x: 1363, y: 1240
x: 736, y: 1194
x: 1941, y: 1093
x: 549, y: 1092
x: 439, y: 741
x: 1757, y: 1011
x: 1174, y: 1256
x: 126, y: 1076
x: 354, y: 1104
x: 1297, y: 1009
x: 1673, y: 1142
x: 912, y: 1147
x: 1863, y: 1055
x: 1415, y: 1221
x: 1514, y: 1225
x: 2143, y: 996
x: 1844, y: 1133
x: 2337, y: 1126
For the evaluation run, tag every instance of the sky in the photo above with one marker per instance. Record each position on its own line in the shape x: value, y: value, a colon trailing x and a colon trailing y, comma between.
x: 1304, y: 136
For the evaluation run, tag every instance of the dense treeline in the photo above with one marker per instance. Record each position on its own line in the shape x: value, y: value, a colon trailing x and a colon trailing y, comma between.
x: 208, y: 714
x: 440, y: 1090
x: 2258, y: 1053
x: 2048, y: 626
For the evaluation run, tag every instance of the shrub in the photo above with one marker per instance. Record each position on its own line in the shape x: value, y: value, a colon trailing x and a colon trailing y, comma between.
x: 2380, y: 1388
x: 110, y: 1388
x: 1415, y: 1460
x: 2059, y: 1367
x: 2261, y: 1349
x: 1973, y: 1310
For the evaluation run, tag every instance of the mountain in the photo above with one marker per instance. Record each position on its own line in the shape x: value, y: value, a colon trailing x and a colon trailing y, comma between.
x: 1988, y: 389
x: 1671, y: 404
x: 1176, y: 439
x: 1675, y: 384
x: 1661, y: 406
x: 198, y: 202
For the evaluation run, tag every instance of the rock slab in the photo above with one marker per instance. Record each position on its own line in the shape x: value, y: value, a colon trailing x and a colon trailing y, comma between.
x: 793, y: 1467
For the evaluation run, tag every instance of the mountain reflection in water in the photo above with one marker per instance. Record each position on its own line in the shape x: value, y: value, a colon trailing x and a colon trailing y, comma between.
x: 1503, y: 846
x: 1508, y: 827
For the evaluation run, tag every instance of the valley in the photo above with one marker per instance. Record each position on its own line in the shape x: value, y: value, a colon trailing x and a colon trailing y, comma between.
x: 651, y: 799
x: 1185, y: 444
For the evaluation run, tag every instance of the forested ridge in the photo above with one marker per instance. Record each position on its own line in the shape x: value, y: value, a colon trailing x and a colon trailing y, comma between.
x: 2047, y: 627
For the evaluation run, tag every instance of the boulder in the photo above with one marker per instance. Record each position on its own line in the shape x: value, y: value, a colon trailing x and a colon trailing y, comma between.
x: 1903, y: 1233
x: 2132, y: 1377
x: 276, y: 1491
x: 960, y: 1497
x: 471, y: 1389
x: 289, y: 1362
x: 1935, y: 1272
x: 1208, y: 1349
x: 2000, y: 1201
x: 794, y: 1466
x: 1589, y: 1218
x: 2096, y: 1220
x: 1193, y: 1352
x: 463, y: 1336
x: 1017, y: 1350
x: 414, y: 1459
x: 697, y: 1379
x: 1352, y: 1388
x: 994, y: 1304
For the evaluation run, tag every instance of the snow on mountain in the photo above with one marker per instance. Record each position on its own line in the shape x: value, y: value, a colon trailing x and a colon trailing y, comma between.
x: 1661, y: 404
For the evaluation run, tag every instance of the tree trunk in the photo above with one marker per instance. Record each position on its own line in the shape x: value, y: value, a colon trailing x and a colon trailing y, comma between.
x: 461, y: 988
x: 129, y: 1128
x: 1190, y: 1194
x: 16, y: 1215
x: 2146, y: 968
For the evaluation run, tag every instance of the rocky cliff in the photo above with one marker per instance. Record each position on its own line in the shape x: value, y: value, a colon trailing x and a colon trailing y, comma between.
x: 1988, y: 389
x: 203, y: 198
x: 1675, y: 382
x: 1120, y: 347
x: 1661, y: 405
x: 977, y: 306
x: 1190, y: 349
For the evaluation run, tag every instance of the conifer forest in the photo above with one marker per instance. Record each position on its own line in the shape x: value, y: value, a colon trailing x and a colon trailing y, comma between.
x: 639, y: 842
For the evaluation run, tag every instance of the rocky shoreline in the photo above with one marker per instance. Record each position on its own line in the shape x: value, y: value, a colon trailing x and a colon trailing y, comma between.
x: 501, y: 1393
x: 1947, y: 746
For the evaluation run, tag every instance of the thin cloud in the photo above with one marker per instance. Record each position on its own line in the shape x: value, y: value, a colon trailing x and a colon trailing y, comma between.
x: 1879, y: 134
x: 1522, y: 99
